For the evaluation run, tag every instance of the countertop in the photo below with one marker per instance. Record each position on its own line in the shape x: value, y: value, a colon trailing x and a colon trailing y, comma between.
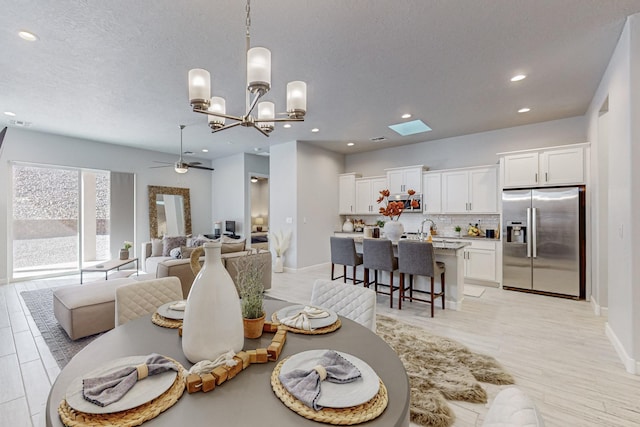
x: 448, y: 245
x: 435, y: 237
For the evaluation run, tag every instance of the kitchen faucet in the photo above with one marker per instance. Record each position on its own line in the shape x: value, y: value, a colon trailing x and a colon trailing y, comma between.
x: 433, y: 225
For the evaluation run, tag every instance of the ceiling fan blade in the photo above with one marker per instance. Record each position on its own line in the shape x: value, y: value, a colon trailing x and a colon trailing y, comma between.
x: 194, y: 163
x: 157, y: 161
x: 156, y: 167
x: 202, y: 167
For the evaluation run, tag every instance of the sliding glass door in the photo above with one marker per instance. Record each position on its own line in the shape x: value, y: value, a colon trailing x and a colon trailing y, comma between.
x: 60, y: 219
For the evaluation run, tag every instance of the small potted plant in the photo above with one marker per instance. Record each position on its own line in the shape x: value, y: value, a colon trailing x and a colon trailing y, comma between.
x: 249, y: 279
x: 458, y: 229
x: 124, y: 252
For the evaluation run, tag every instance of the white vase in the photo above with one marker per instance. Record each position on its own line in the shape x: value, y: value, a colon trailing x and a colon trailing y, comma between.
x: 393, y: 230
x: 212, y: 322
x: 347, y: 227
x: 279, y: 266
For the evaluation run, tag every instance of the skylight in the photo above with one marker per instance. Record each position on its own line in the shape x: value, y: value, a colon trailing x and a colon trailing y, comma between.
x: 410, y: 128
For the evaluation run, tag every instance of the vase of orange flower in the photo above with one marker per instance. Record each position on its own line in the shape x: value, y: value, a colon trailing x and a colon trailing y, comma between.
x: 393, y: 209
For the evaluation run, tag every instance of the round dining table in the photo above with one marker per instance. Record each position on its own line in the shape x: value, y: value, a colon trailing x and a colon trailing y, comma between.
x: 247, y: 399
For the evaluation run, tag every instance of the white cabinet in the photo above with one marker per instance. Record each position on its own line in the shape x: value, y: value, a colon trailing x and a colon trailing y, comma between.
x: 401, y: 180
x: 554, y: 166
x: 432, y: 193
x: 347, y: 193
x: 470, y: 191
x: 367, y: 192
x: 480, y: 260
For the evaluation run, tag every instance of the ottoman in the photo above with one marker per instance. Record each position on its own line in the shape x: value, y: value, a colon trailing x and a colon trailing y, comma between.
x: 88, y: 309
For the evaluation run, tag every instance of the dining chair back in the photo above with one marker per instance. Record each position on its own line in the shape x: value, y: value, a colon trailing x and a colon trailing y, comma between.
x: 343, y: 252
x: 352, y: 302
x: 137, y: 299
x: 418, y: 258
x: 377, y: 254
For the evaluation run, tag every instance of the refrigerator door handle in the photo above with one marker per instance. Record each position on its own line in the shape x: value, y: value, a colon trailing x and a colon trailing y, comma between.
x: 534, y: 232
x: 528, y: 236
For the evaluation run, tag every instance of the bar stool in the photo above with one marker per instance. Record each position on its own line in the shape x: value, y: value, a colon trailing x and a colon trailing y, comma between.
x: 378, y: 255
x: 417, y: 258
x: 343, y: 252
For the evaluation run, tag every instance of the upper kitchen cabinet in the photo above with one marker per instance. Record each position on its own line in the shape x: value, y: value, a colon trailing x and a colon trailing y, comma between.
x: 367, y: 193
x: 432, y: 192
x: 347, y: 193
x: 472, y: 190
x: 401, y: 180
x: 538, y: 168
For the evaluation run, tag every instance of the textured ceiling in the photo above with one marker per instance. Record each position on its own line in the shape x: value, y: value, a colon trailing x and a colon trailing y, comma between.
x: 116, y: 71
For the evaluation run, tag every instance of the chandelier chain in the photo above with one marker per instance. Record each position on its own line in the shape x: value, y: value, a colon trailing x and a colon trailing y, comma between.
x: 248, y: 21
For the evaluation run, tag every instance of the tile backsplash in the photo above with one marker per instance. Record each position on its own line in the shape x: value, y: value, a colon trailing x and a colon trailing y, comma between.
x: 444, y: 223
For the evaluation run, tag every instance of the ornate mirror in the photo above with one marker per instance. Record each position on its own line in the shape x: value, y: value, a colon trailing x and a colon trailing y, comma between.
x: 169, y: 211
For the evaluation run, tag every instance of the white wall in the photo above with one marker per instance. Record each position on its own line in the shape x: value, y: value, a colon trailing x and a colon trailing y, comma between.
x: 469, y: 150
x: 41, y: 148
x: 317, y: 203
x: 619, y: 182
x: 283, y: 196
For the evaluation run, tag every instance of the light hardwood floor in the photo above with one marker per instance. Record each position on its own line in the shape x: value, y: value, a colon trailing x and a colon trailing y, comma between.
x: 555, y: 348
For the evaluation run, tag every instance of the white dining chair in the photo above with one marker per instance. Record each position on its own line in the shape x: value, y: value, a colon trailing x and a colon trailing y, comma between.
x: 137, y: 299
x: 352, y: 302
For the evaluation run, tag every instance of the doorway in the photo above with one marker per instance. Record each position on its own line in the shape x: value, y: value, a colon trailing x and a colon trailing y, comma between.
x: 259, y: 208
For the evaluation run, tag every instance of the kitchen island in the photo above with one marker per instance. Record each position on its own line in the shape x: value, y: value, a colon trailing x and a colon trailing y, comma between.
x: 449, y: 252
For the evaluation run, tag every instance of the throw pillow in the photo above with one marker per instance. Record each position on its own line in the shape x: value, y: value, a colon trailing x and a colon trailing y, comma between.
x: 199, y: 240
x: 156, y: 247
x: 171, y: 242
x: 175, y: 253
x: 232, y: 245
x: 185, y: 251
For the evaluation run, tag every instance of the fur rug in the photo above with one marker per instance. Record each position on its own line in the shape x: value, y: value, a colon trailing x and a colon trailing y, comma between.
x: 438, y: 369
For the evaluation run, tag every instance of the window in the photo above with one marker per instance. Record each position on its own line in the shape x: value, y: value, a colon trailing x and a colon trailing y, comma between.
x: 60, y: 218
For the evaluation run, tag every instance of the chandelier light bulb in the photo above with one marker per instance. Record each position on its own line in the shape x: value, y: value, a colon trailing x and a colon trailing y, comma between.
x: 217, y: 105
x: 259, y: 69
x: 199, y: 87
x: 266, y: 110
x: 296, y: 99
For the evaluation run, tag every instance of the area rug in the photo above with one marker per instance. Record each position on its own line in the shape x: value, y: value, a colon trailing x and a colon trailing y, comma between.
x: 438, y: 369
x: 63, y: 348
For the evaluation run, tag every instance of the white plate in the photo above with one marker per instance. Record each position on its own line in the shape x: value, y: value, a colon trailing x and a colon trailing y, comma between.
x: 165, y: 311
x: 142, y: 392
x: 334, y: 395
x: 315, y: 323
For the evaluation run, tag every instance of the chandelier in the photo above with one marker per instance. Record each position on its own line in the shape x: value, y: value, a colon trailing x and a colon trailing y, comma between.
x: 258, y: 84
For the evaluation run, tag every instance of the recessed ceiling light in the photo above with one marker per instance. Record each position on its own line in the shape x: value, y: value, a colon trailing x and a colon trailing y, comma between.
x: 351, y: 144
x: 28, y: 36
x: 524, y: 110
x: 287, y: 125
x: 406, y: 116
x: 314, y: 130
x: 518, y: 77
x: 9, y: 113
x: 204, y: 150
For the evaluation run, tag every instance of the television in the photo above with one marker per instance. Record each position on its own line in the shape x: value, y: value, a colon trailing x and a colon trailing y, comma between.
x: 230, y: 227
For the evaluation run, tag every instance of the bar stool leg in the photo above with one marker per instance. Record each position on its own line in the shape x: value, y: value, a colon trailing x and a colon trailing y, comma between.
x: 401, y: 291
x: 354, y: 275
x: 432, y: 301
x: 411, y: 287
x: 332, y: 267
x: 344, y: 274
x: 442, y: 283
x: 391, y: 289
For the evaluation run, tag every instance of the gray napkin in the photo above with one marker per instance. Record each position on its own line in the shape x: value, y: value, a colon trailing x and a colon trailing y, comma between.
x: 110, y: 388
x: 305, y: 385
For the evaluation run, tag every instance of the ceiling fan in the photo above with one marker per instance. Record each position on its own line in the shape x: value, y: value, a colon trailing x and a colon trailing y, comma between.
x: 181, y: 166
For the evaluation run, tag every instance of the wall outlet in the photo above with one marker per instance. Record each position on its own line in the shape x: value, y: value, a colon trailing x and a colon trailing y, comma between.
x: 289, y: 220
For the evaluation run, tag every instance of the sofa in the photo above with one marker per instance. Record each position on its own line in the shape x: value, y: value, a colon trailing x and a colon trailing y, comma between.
x: 164, y: 266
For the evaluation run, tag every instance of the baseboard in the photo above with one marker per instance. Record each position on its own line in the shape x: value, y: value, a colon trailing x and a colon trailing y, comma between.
x: 453, y: 305
x: 4, y: 281
x: 598, y: 310
x: 629, y: 363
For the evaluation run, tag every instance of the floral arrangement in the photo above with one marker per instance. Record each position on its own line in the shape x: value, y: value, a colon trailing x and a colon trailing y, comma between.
x: 280, y: 241
x: 250, y: 271
x: 393, y: 209
x: 127, y: 245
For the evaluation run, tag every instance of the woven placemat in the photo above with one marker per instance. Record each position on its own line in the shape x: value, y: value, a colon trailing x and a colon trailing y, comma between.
x: 131, y: 417
x: 335, y: 416
x: 159, y: 320
x: 336, y: 325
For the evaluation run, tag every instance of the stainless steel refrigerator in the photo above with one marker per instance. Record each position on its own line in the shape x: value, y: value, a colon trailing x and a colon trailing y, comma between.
x: 543, y: 240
